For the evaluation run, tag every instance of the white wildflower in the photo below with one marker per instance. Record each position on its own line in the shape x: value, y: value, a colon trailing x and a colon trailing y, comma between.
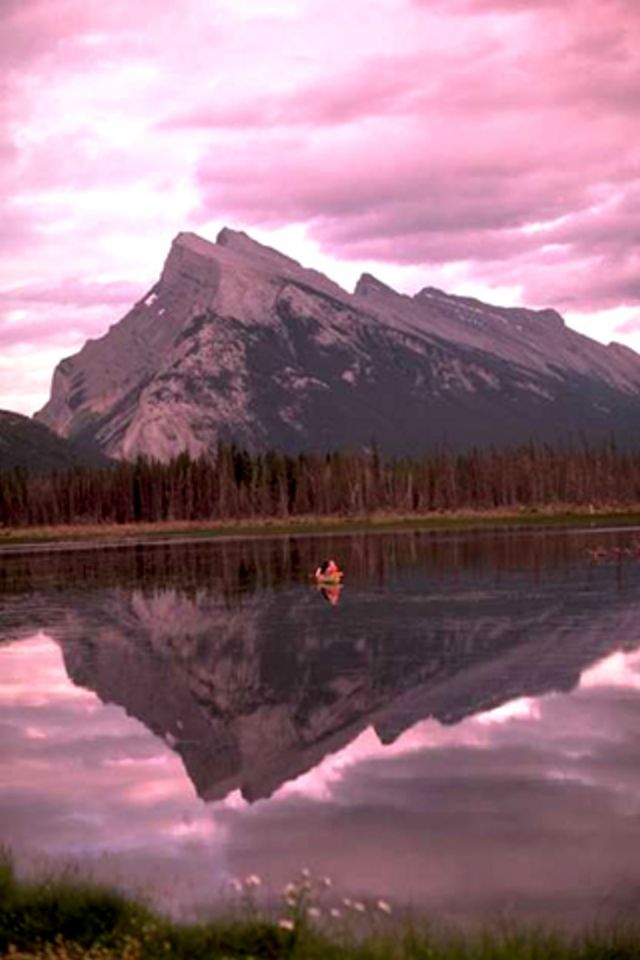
x: 347, y: 902
x: 359, y: 906
x: 314, y: 913
x: 253, y: 880
x: 305, y: 872
x: 383, y: 906
x: 335, y: 913
x: 327, y: 881
x: 286, y: 924
x: 235, y: 885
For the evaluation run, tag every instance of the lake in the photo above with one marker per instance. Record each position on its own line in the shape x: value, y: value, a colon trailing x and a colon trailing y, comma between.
x: 456, y: 730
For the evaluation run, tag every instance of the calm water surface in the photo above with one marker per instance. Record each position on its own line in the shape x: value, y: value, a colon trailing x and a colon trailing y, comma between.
x: 457, y: 729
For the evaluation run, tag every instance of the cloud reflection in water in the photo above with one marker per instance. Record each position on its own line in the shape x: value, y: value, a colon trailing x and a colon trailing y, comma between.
x: 418, y: 742
x: 533, y: 806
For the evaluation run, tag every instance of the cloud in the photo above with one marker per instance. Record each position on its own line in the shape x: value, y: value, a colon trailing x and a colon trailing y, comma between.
x: 487, y: 140
x: 73, y: 291
x: 58, y: 315
x: 631, y: 325
x: 492, y: 7
x: 431, y: 158
x: 380, y: 86
x: 430, y: 200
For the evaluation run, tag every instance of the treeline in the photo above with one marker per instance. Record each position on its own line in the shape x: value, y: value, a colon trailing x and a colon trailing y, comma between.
x: 236, y: 484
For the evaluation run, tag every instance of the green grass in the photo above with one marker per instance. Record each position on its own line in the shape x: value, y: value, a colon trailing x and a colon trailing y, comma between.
x: 560, y: 516
x: 58, y: 919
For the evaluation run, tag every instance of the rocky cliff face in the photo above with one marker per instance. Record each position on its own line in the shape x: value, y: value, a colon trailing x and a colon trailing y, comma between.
x: 238, y: 342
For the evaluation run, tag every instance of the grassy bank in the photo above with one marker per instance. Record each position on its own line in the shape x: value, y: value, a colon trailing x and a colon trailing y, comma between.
x: 63, y: 920
x: 560, y: 515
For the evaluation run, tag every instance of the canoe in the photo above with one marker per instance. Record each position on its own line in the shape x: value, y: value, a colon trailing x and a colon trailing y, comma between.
x: 329, y: 580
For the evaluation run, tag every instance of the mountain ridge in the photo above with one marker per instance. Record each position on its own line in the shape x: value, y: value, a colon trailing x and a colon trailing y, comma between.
x: 237, y: 341
x: 27, y: 444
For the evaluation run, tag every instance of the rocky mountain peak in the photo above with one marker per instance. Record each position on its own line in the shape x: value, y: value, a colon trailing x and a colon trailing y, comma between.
x: 430, y: 293
x: 195, y: 244
x: 369, y: 286
x: 244, y: 245
x: 551, y: 317
x: 239, y: 261
x: 232, y: 249
x: 622, y: 350
x: 240, y: 342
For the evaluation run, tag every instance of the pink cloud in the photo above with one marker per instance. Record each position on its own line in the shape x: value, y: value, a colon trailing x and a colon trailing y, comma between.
x: 496, y: 137
x: 452, y: 158
x: 62, y: 314
x: 629, y: 326
x: 378, y: 87
x: 73, y: 291
x: 17, y: 229
x: 491, y: 6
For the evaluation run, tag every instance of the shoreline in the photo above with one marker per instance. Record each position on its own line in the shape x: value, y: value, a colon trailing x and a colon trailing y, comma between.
x: 129, y: 534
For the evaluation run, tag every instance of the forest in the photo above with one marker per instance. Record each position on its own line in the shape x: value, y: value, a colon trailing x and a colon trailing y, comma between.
x: 235, y: 484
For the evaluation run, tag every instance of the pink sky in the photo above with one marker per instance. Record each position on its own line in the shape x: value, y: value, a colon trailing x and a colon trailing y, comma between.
x: 483, y: 146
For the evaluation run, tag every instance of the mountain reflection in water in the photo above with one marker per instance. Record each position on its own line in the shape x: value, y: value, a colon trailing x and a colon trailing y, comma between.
x: 230, y: 656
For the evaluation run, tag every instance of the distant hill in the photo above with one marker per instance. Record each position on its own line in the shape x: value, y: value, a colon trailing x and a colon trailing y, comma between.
x: 27, y: 443
x: 237, y: 342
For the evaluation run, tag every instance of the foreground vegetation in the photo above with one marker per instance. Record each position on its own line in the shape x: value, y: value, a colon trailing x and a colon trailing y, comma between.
x: 238, y: 487
x: 66, y: 920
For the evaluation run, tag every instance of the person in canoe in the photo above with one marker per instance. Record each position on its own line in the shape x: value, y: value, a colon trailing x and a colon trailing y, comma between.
x: 328, y: 572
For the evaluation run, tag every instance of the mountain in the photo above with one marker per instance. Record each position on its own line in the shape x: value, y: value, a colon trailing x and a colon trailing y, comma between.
x: 239, y: 342
x: 26, y: 443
